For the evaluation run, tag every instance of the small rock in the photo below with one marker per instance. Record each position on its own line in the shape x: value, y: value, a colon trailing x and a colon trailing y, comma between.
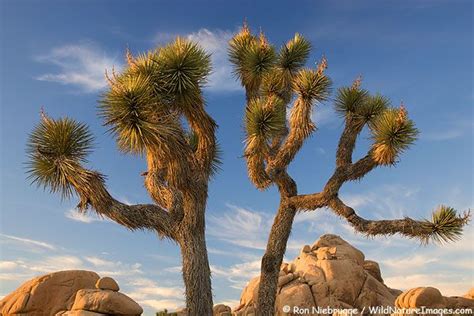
x: 306, y: 249
x: 107, y: 283
x: 106, y: 302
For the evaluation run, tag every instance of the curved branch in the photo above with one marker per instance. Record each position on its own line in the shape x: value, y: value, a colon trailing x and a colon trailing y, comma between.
x: 91, y: 189
x: 359, y: 169
x: 347, y: 142
x: 205, y: 128
x: 301, y: 127
x: 422, y: 230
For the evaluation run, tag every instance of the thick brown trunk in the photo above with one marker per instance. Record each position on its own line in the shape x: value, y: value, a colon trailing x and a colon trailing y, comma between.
x: 196, y: 271
x: 273, y: 259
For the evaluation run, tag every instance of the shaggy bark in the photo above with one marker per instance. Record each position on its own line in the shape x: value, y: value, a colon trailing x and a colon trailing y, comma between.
x: 273, y: 258
x: 196, y: 271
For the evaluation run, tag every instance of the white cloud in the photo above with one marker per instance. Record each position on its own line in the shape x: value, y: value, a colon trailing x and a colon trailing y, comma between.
x: 238, y: 274
x: 241, y: 227
x: 215, y: 42
x: 82, y: 217
x: 28, y: 242
x: 324, y: 115
x: 81, y: 65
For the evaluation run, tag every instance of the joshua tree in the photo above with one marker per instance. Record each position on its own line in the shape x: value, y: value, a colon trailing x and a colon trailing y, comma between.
x: 145, y: 107
x: 272, y: 80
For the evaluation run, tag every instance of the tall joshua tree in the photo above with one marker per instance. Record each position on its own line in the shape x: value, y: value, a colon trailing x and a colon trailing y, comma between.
x: 272, y: 80
x: 145, y: 107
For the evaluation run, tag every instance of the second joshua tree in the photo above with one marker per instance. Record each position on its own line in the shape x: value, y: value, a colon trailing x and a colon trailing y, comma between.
x: 271, y: 81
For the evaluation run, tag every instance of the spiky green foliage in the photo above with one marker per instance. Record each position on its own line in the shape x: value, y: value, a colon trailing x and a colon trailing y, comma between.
x: 311, y: 85
x: 184, y: 66
x: 135, y: 115
x: 276, y: 83
x: 445, y: 225
x: 348, y: 100
x: 259, y: 58
x: 265, y: 117
x: 373, y: 106
x: 216, y: 163
x: 294, y: 53
x: 238, y: 46
x: 56, y: 148
x: 392, y: 133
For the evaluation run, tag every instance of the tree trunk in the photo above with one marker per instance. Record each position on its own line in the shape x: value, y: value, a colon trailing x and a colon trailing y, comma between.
x: 196, y: 271
x: 273, y: 259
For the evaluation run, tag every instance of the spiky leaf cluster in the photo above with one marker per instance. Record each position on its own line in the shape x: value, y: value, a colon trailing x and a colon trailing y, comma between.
x: 238, y: 47
x: 184, y: 66
x: 265, y: 117
x: 294, y: 53
x: 135, y: 115
x: 349, y: 100
x: 311, y: 85
x: 445, y: 225
x: 392, y: 133
x: 56, y: 148
x: 373, y: 106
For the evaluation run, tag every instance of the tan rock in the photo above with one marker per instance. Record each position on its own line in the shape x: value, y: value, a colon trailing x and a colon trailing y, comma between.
x: 344, y: 278
x: 320, y: 291
x: 221, y: 310
x: 374, y: 269
x: 470, y: 294
x: 34, y: 296
x: 106, y: 302
x: 344, y: 249
x: 374, y: 293
x: 250, y: 292
x: 294, y: 294
x: 107, y: 283
x: 306, y: 249
x: 285, y: 279
x: 80, y: 313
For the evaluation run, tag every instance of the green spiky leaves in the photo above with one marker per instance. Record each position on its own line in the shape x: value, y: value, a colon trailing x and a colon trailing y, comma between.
x: 312, y: 85
x: 265, y: 118
x: 294, y: 54
x: 56, y: 148
x: 348, y: 100
x: 392, y: 133
x: 135, y: 115
x: 445, y: 225
x: 184, y: 66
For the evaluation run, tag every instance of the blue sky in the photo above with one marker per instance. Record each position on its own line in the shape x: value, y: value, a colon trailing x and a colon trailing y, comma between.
x: 53, y: 54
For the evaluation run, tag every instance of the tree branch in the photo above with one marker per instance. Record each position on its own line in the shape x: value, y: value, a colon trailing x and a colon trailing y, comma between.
x: 422, y: 230
x: 91, y: 189
x: 347, y: 141
x: 301, y: 127
x: 205, y: 128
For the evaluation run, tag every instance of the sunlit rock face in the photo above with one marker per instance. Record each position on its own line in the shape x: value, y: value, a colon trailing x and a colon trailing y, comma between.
x: 329, y: 273
x: 71, y: 293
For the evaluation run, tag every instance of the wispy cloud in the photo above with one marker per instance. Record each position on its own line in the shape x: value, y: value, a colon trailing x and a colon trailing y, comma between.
x: 81, y: 65
x: 215, y: 42
x: 82, y: 217
x: 238, y: 274
x: 449, y: 130
x: 28, y: 242
x: 241, y: 227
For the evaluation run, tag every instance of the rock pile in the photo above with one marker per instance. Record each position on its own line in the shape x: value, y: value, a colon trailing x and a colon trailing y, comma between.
x: 330, y: 273
x: 71, y: 293
x: 430, y: 297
